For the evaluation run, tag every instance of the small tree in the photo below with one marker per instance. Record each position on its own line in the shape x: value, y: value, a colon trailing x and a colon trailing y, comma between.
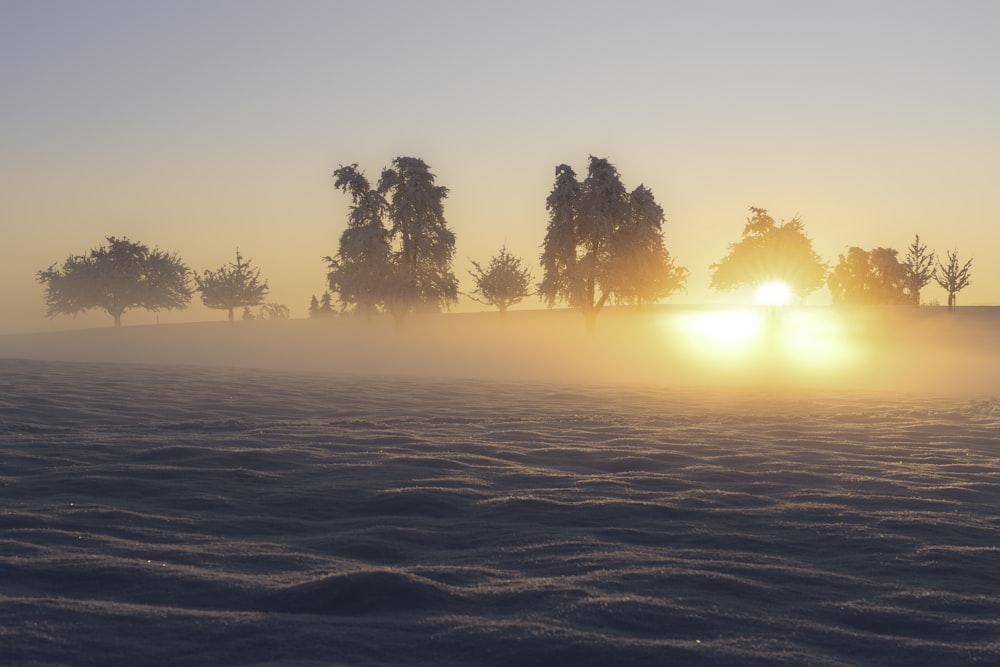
x: 274, y: 311
x: 919, y: 269
x: 503, y: 283
x: 321, y: 307
x: 770, y: 252
x: 951, y: 278
x: 115, y: 278
x: 232, y: 286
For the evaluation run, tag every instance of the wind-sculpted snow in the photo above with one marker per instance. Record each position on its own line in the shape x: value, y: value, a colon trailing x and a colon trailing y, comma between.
x: 157, y: 515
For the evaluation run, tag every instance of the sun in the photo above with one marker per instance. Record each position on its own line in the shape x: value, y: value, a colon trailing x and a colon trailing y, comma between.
x: 774, y: 293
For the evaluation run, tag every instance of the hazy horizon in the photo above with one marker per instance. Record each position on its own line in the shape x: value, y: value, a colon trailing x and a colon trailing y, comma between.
x: 202, y: 128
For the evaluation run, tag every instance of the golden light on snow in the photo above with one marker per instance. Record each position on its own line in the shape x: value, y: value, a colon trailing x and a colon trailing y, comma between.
x: 774, y: 293
x: 789, y: 339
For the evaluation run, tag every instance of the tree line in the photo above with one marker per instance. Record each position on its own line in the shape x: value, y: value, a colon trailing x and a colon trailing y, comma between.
x: 603, y: 244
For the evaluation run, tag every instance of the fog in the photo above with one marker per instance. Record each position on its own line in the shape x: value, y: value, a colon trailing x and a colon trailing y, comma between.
x: 925, y: 350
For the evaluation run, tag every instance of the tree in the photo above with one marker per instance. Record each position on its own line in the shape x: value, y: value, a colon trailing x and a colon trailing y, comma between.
x: 868, y: 277
x: 274, y: 311
x: 951, y: 278
x: 424, y: 279
x: 232, y: 286
x: 406, y: 265
x: 770, y: 252
x: 848, y: 281
x: 321, y: 308
x: 604, y: 243
x: 641, y: 269
x: 115, y: 278
x: 362, y: 270
x: 503, y: 283
x: 919, y: 269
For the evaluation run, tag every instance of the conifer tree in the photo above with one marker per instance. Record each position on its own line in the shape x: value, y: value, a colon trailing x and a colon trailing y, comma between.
x: 919, y: 268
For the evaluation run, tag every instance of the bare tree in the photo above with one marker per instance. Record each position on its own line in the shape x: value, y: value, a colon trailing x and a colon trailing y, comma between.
x: 952, y: 278
x: 274, y: 311
x: 919, y: 269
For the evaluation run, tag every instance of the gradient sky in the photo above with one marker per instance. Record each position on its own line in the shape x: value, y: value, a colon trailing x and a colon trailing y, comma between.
x: 201, y: 126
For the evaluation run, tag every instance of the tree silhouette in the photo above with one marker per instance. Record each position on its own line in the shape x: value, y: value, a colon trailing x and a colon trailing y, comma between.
x: 232, y: 286
x: 424, y: 279
x: 362, y: 271
x: 770, y: 252
x: 918, y: 269
x: 274, y: 311
x: 868, y: 277
x: 603, y: 242
x: 503, y: 283
x: 321, y: 307
x: 116, y: 277
x: 952, y: 278
x: 405, y: 266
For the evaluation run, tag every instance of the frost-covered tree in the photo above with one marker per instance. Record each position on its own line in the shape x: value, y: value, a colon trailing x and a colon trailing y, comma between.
x: 362, y: 272
x: 641, y: 269
x: 868, y: 277
x: 425, y: 247
x: 504, y: 282
x: 115, y: 278
x: 770, y: 252
x: 402, y: 266
x: 918, y: 266
x: 232, y: 285
x: 604, y: 243
x: 952, y: 278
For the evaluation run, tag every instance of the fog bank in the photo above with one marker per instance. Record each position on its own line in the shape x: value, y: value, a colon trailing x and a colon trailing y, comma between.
x: 899, y: 349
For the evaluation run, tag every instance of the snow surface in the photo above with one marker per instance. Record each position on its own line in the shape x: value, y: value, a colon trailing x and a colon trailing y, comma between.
x: 156, y: 515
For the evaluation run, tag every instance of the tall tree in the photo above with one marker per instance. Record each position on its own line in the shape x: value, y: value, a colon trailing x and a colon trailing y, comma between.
x: 362, y: 270
x: 919, y: 269
x: 426, y: 246
x: 503, y: 283
x: 770, y: 252
x: 952, y: 278
x: 406, y: 265
x: 232, y: 285
x: 115, y: 278
x: 603, y: 242
x: 641, y: 269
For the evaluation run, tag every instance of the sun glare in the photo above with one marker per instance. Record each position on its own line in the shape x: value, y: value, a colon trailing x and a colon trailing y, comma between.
x: 774, y: 293
x: 800, y: 340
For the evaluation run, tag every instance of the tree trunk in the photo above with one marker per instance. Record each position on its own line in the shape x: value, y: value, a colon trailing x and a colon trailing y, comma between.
x: 951, y: 302
x: 118, y: 320
x: 230, y: 314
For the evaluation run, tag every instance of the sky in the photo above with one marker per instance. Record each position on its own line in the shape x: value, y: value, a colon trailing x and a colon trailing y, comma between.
x: 199, y: 127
